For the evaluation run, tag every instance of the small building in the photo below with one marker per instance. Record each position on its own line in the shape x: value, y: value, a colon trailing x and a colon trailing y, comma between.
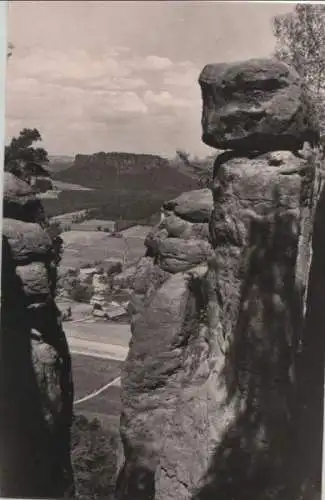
x: 115, y: 311
x: 86, y: 274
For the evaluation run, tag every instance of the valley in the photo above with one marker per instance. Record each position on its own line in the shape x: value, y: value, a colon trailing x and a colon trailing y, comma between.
x: 163, y: 271
x: 104, y: 218
x: 90, y: 375
x: 98, y: 349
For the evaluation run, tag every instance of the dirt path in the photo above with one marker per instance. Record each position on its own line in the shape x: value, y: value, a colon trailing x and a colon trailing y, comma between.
x: 98, y: 339
x: 97, y: 349
x: 93, y: 394
x: 99, y: 332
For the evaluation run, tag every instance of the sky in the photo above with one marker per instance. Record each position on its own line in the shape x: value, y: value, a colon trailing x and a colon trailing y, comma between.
x: 123, y: 75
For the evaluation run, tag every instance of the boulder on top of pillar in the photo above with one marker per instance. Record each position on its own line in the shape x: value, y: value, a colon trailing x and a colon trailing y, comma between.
x: 256, y: 105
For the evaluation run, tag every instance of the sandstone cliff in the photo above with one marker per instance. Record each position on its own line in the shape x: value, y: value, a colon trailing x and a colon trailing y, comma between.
x: 36, y: 385
x: 222, y: 387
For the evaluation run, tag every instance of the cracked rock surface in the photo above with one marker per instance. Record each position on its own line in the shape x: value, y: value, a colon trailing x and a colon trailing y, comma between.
x: 36, y: 383
x: 214, y: 388
x: 256, y: 104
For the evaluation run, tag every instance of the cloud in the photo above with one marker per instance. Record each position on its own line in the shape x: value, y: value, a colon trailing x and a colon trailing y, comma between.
x: 62, y: 73
x: 90, y: 96
x: 184, y: 74
x: 77, y: 84
x: 104, y: 106
x: 34, y: 101
x: 113, y: 69
x: 109, y: 70
x: 164, y: 100
x: 151, y: 63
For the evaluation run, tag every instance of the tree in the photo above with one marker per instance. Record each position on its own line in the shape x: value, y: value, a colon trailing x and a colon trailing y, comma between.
x: 183, y: 156
x: 300, y: 42
x: 20, y: 153
x: 200, y: 169
x: 94, y: 458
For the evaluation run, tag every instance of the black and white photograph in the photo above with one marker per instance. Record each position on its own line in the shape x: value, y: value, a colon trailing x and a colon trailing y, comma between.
x: 163, y: 250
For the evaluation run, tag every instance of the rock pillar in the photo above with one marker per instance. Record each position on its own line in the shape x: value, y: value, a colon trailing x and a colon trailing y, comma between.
x: 212, y: 383
x: 36, y: 393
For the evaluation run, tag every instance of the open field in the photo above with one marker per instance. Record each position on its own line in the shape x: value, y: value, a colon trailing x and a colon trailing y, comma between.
x: 87, y: 247
x: 79, y: 310
x: 101, y: 332
x: 95, y: 349
x: 95, y: 337
x: 110, y: 204
x: 138, y: 231
x: 70, y: 217
x: 93, y: 225
x: 90, y: 374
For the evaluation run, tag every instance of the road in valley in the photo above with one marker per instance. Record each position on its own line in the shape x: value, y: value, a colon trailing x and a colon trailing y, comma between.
x: 110, y: 341
x: 98, y: 339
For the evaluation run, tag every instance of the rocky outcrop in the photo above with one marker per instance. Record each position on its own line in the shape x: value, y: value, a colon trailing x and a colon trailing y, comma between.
x: 258, y: 104
x: 213, y: 389
x: 36, y: 385
x: 100, y: 285
x: 193, y: 206
x: 181, y: 240
x: 20, y: 201
x: 123, y: 282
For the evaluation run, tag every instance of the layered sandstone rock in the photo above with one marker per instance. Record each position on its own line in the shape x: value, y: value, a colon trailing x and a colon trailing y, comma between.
x: 181, y: 240
x: 213, y: 387
x: 258, y: 104
x: 194, y: 206
x: 20, y: 201
x: 36, y: 385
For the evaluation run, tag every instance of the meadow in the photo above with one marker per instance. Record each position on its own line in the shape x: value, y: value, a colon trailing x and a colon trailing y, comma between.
x: 90, y: 374
x: 82, y: 248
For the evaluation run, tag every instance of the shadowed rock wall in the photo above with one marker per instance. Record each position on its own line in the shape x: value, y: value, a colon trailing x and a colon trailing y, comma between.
x: 36, y: 385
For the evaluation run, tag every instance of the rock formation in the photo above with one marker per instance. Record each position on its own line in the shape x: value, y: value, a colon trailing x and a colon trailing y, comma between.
x: 215, y: 396
x: 255, y: 105
x: 100, y: 285
x: 36, y: 385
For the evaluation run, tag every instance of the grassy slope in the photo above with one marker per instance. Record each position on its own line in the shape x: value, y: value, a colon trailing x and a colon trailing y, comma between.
x: 87, y: 247
x: 89, y: 374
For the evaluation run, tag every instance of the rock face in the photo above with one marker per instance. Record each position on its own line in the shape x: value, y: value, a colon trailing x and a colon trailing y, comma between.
x: 213, y: 390
x: 20, y: 201
x: 257, y: 104
x: 101, y: 290
x: 193, y: 206
x: 36, y: 384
